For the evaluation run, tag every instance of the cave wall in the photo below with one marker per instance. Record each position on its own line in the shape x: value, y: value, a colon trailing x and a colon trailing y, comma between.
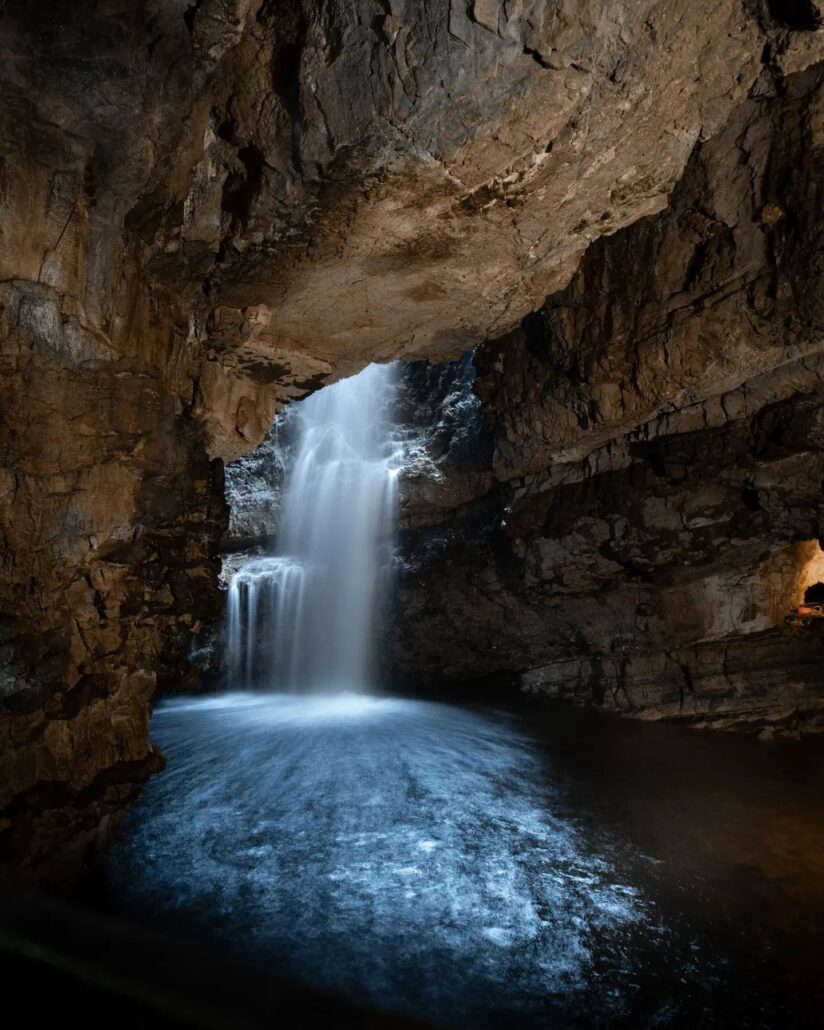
x: 211, y: 207
x: 110, y: 506
x: 654, y: 499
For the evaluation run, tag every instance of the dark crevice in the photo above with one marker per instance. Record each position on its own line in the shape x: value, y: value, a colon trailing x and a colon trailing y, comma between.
x: 240, y: 190
x: 97, y: 601
x: 596, y: 679
x: 546, y: 341
x: 378, y: 26
x: 800, y: 15
x: 687, y: 686
x: 286, y: 76
x: 696, y: 264
x: 814, y: 594
x: 749, y: 496
x: 190, y: 14
x: 287, y: 55
x: 529, y: 52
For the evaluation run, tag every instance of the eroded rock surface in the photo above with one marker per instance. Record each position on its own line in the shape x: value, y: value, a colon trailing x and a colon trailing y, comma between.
x: 656, y: 498
x: 209, y: 208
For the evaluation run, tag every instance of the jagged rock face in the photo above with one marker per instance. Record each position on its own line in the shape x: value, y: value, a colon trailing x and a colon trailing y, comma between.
x: 657, y: 491
x: 209, y: 208
x: 110, y: 508
x: 254, y: 486
x: 300, y: 188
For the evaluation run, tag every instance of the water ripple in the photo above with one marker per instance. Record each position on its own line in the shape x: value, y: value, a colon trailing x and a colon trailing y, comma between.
x: 407, y: 852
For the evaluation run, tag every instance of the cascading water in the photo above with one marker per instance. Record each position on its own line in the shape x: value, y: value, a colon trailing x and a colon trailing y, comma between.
x: 305, y: 618
x: 485, y: 870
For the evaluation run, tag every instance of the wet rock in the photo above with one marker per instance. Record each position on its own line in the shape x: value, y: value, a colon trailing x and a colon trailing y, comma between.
x: 655, y: 503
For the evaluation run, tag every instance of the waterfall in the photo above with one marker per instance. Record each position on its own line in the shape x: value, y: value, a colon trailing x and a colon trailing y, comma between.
x: 305, y: 617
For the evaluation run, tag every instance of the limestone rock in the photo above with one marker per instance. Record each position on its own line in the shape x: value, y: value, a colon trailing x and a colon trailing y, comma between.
x: 656, y: 499
x: 208, y: 209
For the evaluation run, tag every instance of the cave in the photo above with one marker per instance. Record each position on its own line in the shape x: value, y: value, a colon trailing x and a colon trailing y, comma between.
x: 814, y: 594
x: 410, y: 489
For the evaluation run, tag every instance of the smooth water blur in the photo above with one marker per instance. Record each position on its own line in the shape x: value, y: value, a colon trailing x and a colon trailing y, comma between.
x: 402, y: 851
x: 305, y: 618
x: 452, y: 862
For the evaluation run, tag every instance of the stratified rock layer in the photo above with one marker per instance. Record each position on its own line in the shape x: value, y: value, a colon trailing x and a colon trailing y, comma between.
x: 656, y: 486
x: 209, y: 208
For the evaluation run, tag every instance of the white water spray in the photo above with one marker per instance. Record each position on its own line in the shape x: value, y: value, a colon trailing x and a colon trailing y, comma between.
x: 305, y: 618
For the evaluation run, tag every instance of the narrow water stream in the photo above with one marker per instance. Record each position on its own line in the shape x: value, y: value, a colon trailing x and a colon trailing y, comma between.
x: 488, y: 869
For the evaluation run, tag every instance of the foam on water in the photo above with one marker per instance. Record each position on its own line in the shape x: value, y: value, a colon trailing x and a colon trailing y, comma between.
x: 403, y: 851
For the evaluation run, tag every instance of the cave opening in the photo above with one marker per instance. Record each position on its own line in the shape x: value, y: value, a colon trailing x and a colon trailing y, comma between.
x: 814, y: 594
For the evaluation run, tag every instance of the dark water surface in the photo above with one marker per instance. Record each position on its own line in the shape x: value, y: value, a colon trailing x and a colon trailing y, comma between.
x: 529, y: 868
